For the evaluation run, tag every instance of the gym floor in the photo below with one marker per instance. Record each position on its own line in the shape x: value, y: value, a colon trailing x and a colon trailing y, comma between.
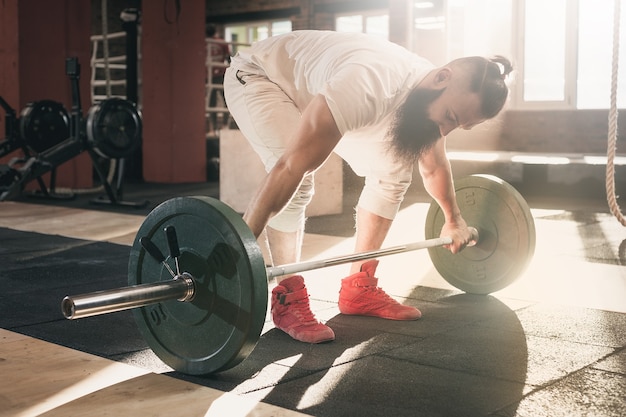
x: 551, y: 344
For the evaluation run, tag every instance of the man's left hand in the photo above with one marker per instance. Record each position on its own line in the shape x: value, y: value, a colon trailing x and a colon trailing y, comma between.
x: 461, y: 235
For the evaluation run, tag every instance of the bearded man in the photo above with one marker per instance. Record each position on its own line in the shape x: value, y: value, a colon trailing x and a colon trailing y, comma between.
x: 299, y: 97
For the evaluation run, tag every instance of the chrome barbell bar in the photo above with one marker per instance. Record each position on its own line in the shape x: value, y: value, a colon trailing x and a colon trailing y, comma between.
x: 182, y: 287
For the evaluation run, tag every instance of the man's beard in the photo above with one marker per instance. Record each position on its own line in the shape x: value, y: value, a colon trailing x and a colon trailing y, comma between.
x: 411, y: 131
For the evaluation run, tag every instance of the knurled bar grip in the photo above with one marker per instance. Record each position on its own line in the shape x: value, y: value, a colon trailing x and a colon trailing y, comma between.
x: 323, y: 263
x: 286, y: 269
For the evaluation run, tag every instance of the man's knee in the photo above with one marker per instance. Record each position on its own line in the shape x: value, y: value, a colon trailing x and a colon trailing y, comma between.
x: 293, y: 216
x: 383, y: 197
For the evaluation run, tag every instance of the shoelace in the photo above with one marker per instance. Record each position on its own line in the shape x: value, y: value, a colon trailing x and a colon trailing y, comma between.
x: 302, y: 310
x: 378, y: 297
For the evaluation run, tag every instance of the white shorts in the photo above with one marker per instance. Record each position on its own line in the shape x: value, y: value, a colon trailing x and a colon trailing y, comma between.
x: 268, y: 119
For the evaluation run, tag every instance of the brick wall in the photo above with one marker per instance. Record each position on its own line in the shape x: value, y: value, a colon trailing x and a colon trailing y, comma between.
x: 235, y: 7
x: 559, y: 131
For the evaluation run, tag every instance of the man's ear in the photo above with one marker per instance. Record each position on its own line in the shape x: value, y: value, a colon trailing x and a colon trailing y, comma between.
x: 442, y: 78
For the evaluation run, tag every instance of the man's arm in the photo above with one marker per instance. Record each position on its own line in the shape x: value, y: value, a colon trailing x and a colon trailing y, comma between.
x: 314, y: 141
x: 436, y: 173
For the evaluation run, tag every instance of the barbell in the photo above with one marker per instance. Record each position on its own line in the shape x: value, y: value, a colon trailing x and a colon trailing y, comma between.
x: 201, y: 308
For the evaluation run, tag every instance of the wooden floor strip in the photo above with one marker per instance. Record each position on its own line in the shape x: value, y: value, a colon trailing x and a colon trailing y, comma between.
x: 71, y: 222
x: 44, y: 379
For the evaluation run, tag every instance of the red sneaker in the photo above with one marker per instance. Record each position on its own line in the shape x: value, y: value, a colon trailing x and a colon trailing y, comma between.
x: 292, y: 314
x: 359, y: 295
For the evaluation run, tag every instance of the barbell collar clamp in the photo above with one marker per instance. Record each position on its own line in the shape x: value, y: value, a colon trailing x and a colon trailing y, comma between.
x: 172, y: 244
x: 156, y: 253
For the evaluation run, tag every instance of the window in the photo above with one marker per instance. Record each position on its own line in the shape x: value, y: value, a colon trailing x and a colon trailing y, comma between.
x: 429, y: 30
x: 561, y: 49
x: 446, y: 30
x: 595, y: 53
x: 566, y: 54
x: 247, y: 33
x: 544, y: 50
x: 374, y: 23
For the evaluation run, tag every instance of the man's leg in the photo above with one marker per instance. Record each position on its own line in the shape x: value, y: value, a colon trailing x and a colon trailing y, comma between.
x: 290, y: 300
x: 360, y: 294
x: 285, y: 231
x: 267, y: 117
x: 371, y: 231
x: 285, y: 247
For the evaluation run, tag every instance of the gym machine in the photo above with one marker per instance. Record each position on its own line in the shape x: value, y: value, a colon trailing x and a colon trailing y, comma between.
x: 49, y: 137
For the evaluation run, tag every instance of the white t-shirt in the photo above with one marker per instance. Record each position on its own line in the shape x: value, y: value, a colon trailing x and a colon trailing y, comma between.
x: 363, y: 78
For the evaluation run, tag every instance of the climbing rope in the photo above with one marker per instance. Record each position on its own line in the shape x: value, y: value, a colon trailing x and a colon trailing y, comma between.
x: 612, y: 135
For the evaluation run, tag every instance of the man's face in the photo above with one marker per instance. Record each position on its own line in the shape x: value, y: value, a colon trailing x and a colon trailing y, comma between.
x: 429, y: 114
x: 455, y: 107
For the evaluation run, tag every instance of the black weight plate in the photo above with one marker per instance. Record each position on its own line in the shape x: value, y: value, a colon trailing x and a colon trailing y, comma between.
x: 506, y: 236
x: 222, y: 324
x: 43, y: 124
x: 114, y: 128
